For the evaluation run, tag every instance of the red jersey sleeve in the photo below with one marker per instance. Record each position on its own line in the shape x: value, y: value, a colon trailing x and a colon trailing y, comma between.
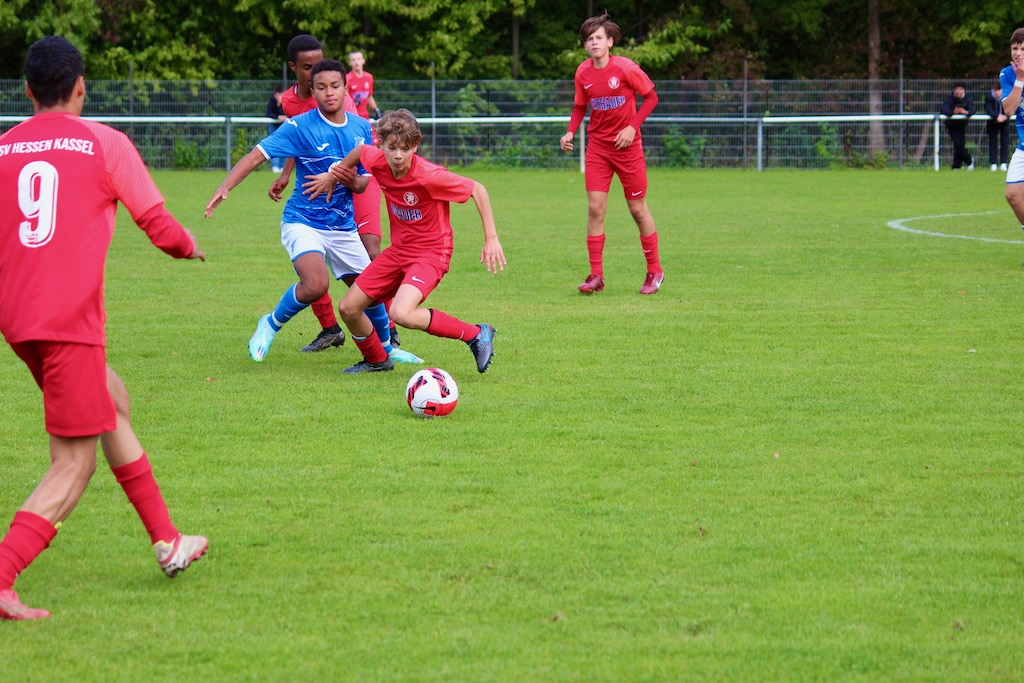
x: 134, y: 187
x: 444, y: 185
x: 637, y: 78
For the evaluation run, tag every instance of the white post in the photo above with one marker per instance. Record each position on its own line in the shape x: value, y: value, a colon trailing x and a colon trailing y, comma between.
x: 583, y: 144
x: 936, y: 142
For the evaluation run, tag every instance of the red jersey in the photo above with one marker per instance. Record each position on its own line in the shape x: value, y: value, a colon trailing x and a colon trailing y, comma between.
x: 418, y: 202
x: 361, y: 90
x: 61, y: 178
x: 292, y: 105
x: 611, y: 93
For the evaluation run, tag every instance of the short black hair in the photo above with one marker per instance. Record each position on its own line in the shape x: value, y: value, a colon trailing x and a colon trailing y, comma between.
x: 327, y: 65
x: 52, y: 67
x: 302, y: 43
x: 960, y: 84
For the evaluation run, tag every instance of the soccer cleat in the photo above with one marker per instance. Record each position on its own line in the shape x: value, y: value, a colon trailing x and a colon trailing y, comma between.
x: 482, y: 346
x: 400, y: 356
x: 970, y: 166
x: 367, y: 366
x: 325, y: 340
x: 1002, y: 166
x: 652, y: 283
x: 12, y: 608
x: 261, y: 339
x: 175, y: 558
x: 994, y: 168
x: 394, y: 337
x: 593, y: 283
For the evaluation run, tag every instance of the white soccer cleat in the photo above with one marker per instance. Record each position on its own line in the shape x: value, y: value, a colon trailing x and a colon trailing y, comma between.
x: 175, y: 558
x: 261, y: 339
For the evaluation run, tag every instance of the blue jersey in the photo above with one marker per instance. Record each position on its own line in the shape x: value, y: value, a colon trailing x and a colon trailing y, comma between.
x: 315, y: 143
x: 1006, y: 79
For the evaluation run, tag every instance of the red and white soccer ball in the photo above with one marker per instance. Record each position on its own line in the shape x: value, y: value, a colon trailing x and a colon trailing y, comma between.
x: 432, y: 393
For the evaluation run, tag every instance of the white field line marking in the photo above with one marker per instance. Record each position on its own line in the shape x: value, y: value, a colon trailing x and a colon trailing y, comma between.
x: 899, y: 224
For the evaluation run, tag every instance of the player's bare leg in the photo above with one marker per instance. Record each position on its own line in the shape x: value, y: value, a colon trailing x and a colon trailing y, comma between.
x: 127, y: 459
x: 352, y: 309
x: 313, y: 282
x: 1015, y: 198
x: 72, y: 463
x: 649, y: 243
x: 597, y: 207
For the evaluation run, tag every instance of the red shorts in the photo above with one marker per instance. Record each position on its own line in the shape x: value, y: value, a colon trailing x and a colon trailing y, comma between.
x: 73, y: 378
x: 389, y: 271
x: 367, y: 209
x: 629, y: 164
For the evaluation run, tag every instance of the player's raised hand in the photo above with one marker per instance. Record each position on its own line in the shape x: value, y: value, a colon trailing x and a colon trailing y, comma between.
x: 565, y: 142
x: 277, y: 187
x: 220, y: 195
x: 492, y: 255
x: 316, y: 185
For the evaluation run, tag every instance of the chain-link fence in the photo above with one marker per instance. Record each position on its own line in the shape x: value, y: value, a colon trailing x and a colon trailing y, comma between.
x: 698, y: 124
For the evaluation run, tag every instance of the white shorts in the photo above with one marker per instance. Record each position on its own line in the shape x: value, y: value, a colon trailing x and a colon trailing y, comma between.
x: 343, y: 250
x: 1015, y: 171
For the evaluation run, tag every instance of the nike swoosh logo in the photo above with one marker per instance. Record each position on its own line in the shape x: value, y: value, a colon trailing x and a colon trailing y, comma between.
x: 323, y: 147
x: 636, y: 193
x: 587, y: 86
x: 416, y: 279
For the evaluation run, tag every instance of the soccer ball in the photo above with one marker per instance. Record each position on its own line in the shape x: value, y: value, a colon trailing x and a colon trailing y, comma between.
x: 432, y: 393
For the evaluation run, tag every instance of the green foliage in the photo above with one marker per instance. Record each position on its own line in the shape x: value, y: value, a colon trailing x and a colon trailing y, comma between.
x: 682, y: 152
x: 240, y: 145
x: 189, y: 155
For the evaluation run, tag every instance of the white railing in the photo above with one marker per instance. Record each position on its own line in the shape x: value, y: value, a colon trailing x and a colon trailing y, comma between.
x: 761, y: 123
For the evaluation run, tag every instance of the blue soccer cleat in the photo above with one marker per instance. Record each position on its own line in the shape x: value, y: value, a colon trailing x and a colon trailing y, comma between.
x: 482, y: 346
x: 401, y: 356
x: 261, y: 340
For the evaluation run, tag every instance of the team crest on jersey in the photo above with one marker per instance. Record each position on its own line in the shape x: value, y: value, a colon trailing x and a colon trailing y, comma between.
x: 614, y: 82
x: 410, y: 198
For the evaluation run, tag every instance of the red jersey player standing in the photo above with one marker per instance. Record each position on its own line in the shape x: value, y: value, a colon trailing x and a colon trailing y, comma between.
x: 61, y: 178
x: 417, y: 193
x: 609, y: 85
x: 360, y: 86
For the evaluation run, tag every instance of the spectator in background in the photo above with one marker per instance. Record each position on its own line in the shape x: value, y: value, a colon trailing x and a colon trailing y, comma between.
x: 998, y: 128
x: 274, y: 111
x: 959, y: 104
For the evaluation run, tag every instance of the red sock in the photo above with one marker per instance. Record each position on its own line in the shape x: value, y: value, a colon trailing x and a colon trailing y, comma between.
x: 371, y: 348
x: 30, y: 535
x: 136, y: 478
x: 595, y: 250
x: 444, y: 325
x: 323, y: 309
x: 650, y: 246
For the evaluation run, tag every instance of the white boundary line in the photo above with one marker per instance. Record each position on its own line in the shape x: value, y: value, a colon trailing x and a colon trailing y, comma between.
x: 898, y: 224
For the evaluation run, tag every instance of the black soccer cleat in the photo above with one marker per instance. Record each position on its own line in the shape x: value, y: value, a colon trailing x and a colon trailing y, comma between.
x: 325, y: 340
x: 482, y: 346
x: 367, y: 366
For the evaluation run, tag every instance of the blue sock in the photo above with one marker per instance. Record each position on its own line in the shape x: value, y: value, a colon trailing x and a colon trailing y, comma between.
x: 287, y: 308
x: 378, y: 315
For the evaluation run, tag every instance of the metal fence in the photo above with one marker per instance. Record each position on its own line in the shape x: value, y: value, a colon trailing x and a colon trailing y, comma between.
x: 698, y: 124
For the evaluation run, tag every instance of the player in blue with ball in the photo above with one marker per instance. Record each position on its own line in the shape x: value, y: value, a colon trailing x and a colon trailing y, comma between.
x: 316, y: 232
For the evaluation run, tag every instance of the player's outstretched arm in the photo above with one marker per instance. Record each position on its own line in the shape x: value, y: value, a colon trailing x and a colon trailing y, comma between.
x: 236, y: 175
x: 1011, y: 100
x: 492, y: 254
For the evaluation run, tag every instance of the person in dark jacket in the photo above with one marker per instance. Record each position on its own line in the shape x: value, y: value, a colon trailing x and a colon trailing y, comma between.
x: 998, y: 129
x: 956, y: 105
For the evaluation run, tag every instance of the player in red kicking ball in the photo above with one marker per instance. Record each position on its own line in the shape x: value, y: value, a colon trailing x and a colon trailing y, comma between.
x: 609, y: 85
x: 417, y: 193
x: 61, y: 178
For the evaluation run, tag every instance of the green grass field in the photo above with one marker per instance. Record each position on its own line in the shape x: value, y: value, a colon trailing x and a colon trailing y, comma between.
x: 801, y: 460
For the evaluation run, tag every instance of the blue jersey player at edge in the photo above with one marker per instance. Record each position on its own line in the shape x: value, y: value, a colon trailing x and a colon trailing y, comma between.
x: 315, y: 233
x: 1011, y: 78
